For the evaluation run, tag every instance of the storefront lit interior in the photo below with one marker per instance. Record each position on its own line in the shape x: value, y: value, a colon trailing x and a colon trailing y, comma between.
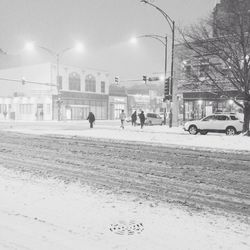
x: 198, y: 105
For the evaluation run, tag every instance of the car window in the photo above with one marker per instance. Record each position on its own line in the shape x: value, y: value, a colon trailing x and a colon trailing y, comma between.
x: 209, y: 118
x: 233, y: 117
x: 222, y: 117
x: 151, y: 115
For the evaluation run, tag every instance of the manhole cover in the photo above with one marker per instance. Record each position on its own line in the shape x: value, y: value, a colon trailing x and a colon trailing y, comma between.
x: 129, y: 228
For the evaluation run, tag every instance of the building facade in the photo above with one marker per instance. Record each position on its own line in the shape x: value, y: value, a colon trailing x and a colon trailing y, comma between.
x: 197, y: 99
x: 208, y: 68
x: 225, y: 13
x: 31, y: 93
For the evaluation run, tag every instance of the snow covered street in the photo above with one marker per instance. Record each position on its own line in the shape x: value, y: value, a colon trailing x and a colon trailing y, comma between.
x: 66, y: 186
x: 47, y: 214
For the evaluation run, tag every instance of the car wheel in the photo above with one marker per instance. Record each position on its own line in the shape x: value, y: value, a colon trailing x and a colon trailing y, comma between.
x: 230, y: 131
x: 193, y: 130
x: 203, y: 132
x: 150, y: 123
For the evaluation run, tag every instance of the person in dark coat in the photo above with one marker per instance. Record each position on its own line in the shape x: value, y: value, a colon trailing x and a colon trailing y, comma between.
x: 134, y: 118
x: 142, y: 118
x: 41, y: 114
x: 91, y: 118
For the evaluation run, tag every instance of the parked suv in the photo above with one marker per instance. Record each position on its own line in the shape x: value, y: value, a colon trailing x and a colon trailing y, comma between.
x: 221, y: 123
x: 153, y: 119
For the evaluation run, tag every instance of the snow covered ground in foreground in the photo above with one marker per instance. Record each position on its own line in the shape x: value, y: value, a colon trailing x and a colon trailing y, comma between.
x: 48, y: 214
x: 149, y: 134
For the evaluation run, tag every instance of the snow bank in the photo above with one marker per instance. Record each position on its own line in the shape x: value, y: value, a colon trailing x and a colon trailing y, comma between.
x: 47, y: 214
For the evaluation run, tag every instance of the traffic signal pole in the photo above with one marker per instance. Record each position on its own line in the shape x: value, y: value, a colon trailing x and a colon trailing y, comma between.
x: 58, y: 89
x: 173, y: 102
x: 172, y: 97
x: 165, y: 77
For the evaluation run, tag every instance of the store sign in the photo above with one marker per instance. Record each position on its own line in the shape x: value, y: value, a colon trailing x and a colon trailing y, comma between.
x: 119, y: 99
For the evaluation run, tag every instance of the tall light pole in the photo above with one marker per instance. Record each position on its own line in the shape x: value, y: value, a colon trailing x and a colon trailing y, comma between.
x: 164, y: 41
x: 171, y: 23
x: 57, y: 55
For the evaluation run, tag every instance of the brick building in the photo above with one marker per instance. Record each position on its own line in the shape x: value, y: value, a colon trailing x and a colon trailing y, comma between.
x: 199, y: 95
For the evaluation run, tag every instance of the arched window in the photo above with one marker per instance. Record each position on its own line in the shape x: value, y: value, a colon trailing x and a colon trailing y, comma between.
x: 90, y: 83
x: 74, y: 81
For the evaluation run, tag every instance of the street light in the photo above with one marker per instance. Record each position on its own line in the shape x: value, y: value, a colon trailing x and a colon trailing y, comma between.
x: 171, y: 23
x: 78, y: 47
x: 164, y: 41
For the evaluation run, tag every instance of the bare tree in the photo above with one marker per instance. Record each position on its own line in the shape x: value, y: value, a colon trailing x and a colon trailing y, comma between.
x: 222, y: 45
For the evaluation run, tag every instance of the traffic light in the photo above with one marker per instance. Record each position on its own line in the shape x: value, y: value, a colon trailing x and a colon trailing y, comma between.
x: 167, y: 94
x: 116, y: 79
x: 144, y: 78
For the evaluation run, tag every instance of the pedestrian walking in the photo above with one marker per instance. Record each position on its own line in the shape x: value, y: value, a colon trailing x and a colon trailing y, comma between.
x: 142, y: 118
x: 5, y: 114
x: 41, y: 114
x: 91, y: 118
x: 134, y: 118
x: 122, y: 118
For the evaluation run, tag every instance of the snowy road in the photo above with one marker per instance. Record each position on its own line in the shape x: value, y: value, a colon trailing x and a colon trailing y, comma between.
x: 218, y: 182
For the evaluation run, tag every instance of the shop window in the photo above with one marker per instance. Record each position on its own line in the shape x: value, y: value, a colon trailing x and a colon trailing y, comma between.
x: 25, y: 108
x: 74, y: 81
x: 90, y: 83
x: 102, y: 87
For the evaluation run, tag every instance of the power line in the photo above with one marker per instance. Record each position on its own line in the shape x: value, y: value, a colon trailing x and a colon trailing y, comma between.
x: 25, y: 81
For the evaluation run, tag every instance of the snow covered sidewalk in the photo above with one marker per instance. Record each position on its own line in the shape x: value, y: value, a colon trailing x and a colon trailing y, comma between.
x: 47, y: 214
x: 149, y: 134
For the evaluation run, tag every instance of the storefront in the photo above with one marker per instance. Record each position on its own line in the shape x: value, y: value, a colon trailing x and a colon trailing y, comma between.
x: 26, y: 108
x: 80, y: 91
x: 76, y: 106
x: 116, y: 105
x: 197, y: 105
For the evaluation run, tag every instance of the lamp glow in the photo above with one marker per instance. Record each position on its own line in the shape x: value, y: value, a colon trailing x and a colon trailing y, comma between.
x: 133, y: 40
x: 30, y: 46
x: 79, y: 47
x: 162, y: 78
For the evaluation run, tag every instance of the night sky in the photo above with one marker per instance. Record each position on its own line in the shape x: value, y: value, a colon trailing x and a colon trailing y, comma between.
x: 103, y: 26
